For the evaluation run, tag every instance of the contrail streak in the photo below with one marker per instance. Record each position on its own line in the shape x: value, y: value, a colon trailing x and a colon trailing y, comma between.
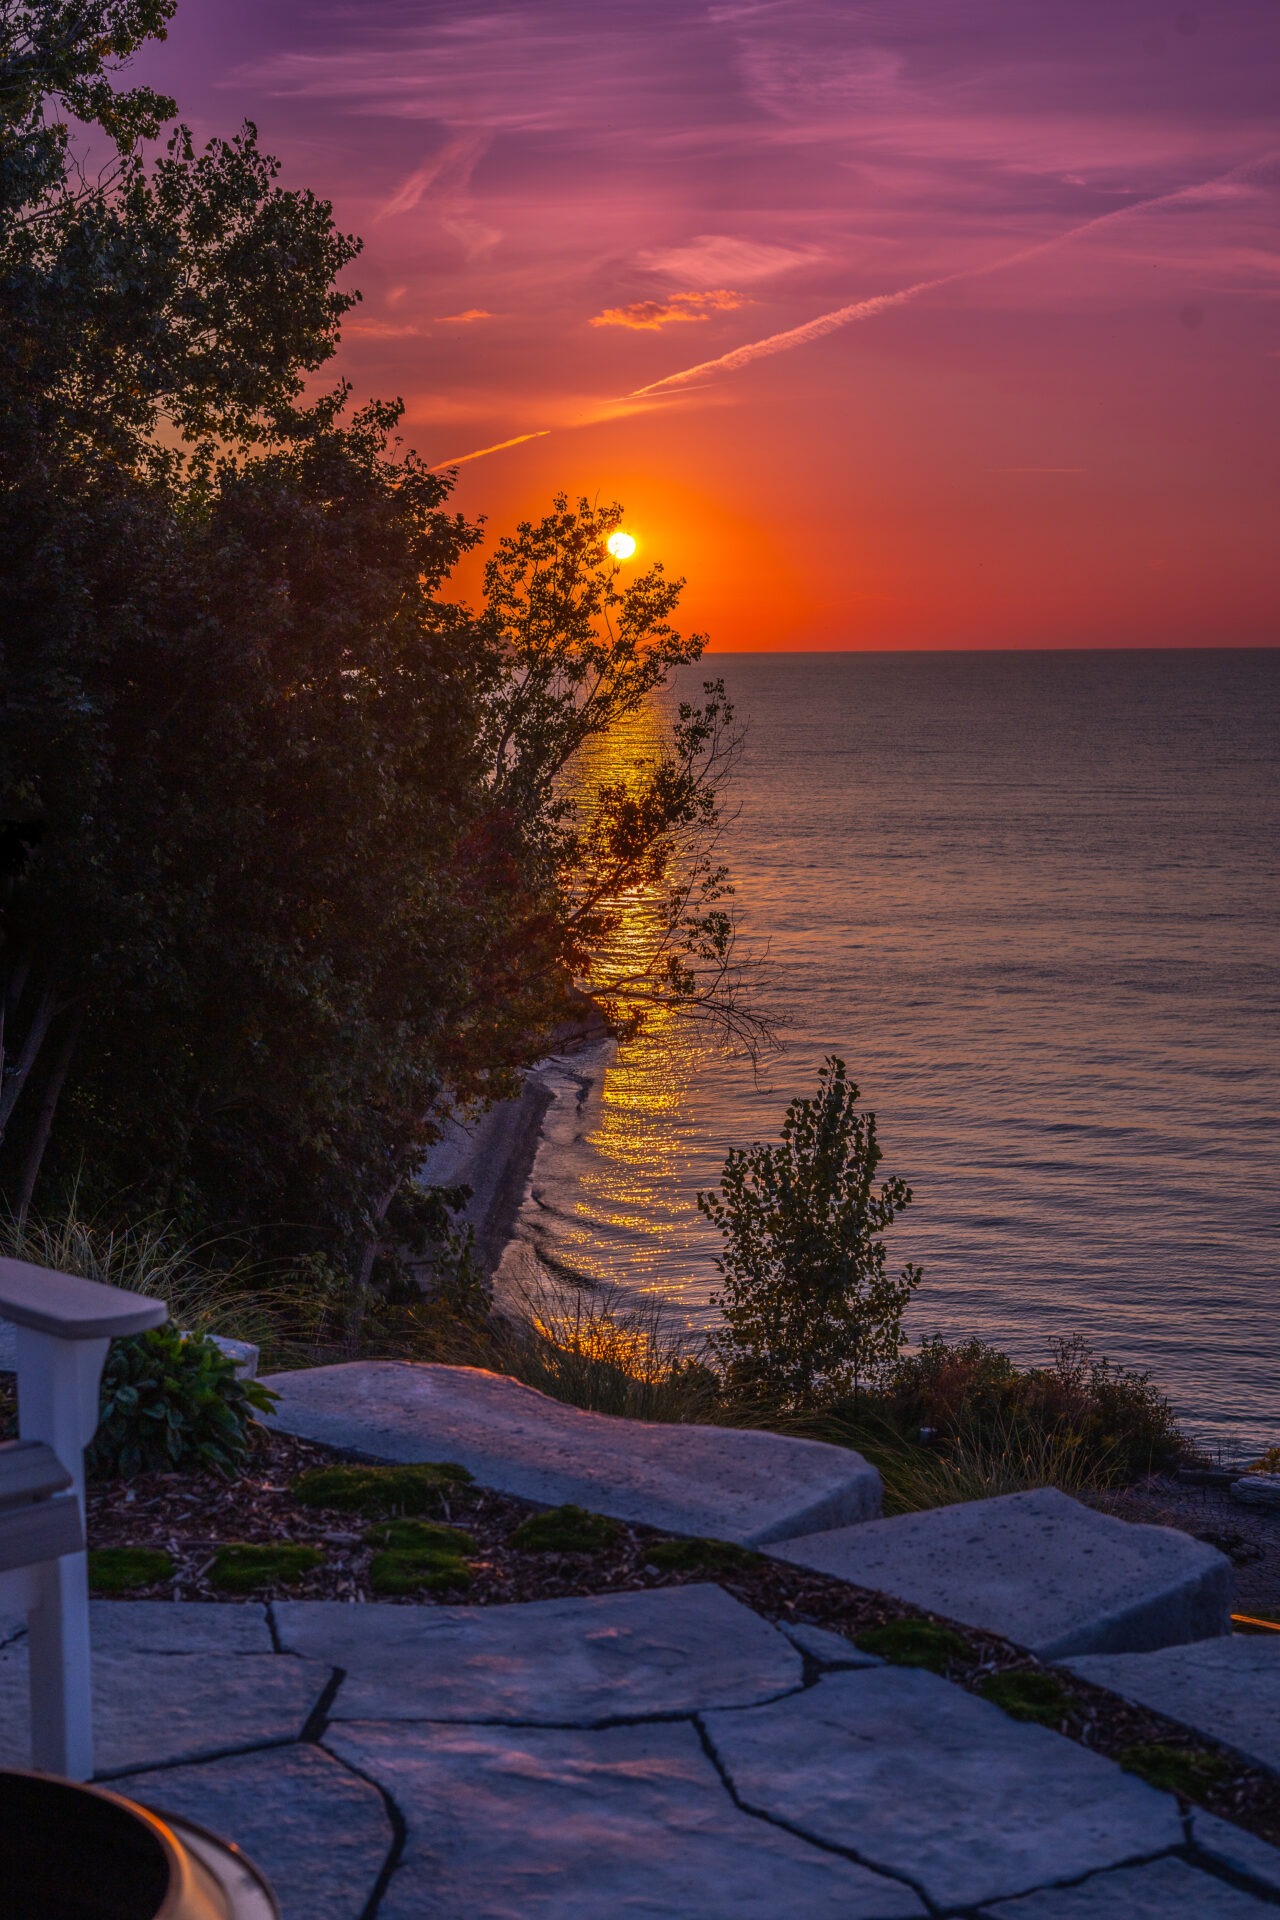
x: 865, y: 309
x: 826, y: 323
x: 461, y: 459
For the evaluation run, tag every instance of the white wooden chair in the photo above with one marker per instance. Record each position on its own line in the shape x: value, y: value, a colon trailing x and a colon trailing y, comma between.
x: 63, y: 1326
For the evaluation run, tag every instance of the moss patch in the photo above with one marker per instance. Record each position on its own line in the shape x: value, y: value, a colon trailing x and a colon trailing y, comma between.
x: 700, y: 1556
x: 1185, y: 1770
x: 420, y: 1536
x: 401, y: 1571
x: 241, y: 1567
x: 381, y: 1493
x: 914, y: 1643
x: 1028, y: 1694
x: 126, y: 1569
x: 566, y: 1530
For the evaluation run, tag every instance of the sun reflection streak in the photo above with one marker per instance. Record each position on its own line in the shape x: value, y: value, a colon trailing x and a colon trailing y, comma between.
x: 625, y: 1202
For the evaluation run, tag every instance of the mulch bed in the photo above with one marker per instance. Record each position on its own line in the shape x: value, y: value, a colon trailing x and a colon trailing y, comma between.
x: 191, y: 1515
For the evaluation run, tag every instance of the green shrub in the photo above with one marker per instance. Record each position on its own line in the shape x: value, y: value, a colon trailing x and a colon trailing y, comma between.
x: 700, y: 1556
x: 419, y: 1536
x: 171, y: 1401
x: 1028, y: 1694
x: 400, y: 1572
x: 1189, y: 1771
x: 383, y: 1493
x: 242, y: 1566
x: 913, y: 1643
x: 809, y: 1306
x: 567, y: 1529
x: 1103, y: 1424
x: 114, y: 1570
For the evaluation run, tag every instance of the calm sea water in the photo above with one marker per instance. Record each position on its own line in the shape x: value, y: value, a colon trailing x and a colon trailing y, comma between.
x: 1032, y: 901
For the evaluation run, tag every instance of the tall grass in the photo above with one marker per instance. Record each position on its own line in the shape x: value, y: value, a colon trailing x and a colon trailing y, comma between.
x: 203, y: 1294
x: 608, y: 1355
x: 977, y: 1462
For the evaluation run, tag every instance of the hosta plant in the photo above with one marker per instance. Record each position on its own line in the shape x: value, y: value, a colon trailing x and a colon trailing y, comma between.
x: 172, y: 1401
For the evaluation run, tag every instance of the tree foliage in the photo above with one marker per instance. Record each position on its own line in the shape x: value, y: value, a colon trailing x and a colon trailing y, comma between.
x: 809, y: 1305
x: 294, y: 850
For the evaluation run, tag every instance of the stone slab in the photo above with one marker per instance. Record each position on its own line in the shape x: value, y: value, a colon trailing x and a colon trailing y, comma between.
x: 319, y: 1833
x: 921, y: 1779
x: 1162, y: 1890
x: 749, y: 1487
x: 152, y: 1709
x: 1229, y: 1688
x: 179, y: 1626
x: 1240, y: 1852
x: 570, y: 1662
x: 1039, y: 1568
x: 828, y: 1649
x: 628, y: 1821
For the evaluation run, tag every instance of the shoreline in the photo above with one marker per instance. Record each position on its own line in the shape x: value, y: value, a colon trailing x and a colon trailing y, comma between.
x: 498, y: 1156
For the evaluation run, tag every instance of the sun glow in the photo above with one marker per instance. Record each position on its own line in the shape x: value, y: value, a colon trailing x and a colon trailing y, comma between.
x: 621, y: 545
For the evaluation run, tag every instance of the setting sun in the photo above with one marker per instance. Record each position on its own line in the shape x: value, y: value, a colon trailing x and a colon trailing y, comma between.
x: 621, y: 545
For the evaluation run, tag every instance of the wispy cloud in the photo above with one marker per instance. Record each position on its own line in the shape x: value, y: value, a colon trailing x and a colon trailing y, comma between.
x: 825, y: 323
x: 450, y: 169
x: 379, y: 330
x: 464, y: 319
x: 719, y: 256
x: 650, y: 316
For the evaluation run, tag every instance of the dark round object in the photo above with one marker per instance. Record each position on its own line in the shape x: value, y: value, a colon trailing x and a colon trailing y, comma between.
x: 77, y: 1855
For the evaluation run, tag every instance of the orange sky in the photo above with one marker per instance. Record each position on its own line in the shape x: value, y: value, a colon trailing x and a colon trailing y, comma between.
x: 1064, y: 436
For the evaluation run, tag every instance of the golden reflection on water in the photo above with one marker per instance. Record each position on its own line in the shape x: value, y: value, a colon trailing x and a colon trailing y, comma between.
x: 625, y: 1211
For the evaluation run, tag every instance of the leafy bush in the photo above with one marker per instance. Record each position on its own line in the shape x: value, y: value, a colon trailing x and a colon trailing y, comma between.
x: 382, y: 1492
x: 173, y: 1401
x: 244, y: 1566
x: 114, y: 1570
x: 567, y: 1529
x: 1104, y: 1423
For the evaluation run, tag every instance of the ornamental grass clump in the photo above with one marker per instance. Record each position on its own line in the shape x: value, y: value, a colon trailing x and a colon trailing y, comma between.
x: 1099, y: 1423
x: 171, y: 1401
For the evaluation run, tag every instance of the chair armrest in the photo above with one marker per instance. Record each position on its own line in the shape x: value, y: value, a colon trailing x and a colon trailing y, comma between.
x: 69, y: 1308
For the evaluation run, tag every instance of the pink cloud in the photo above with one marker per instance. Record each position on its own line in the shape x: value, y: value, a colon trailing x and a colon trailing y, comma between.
x: 651, y: 315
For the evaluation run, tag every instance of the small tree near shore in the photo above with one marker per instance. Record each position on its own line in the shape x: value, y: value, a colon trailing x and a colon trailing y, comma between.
x: 809, y: 1307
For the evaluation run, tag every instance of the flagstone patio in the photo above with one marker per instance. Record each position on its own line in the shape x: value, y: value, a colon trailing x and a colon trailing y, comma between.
x: 646, y: 1755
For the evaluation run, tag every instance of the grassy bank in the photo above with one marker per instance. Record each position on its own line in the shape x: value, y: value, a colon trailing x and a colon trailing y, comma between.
x: 951, y: 1422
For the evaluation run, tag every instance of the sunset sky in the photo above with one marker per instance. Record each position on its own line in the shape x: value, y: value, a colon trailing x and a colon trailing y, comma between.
x: 1059, y: 428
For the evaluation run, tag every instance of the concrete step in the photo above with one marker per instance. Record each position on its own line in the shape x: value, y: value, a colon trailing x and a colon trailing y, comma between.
x: 719, y: 1482
x: 1229, y: 1689
x: 1039, y: 1568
